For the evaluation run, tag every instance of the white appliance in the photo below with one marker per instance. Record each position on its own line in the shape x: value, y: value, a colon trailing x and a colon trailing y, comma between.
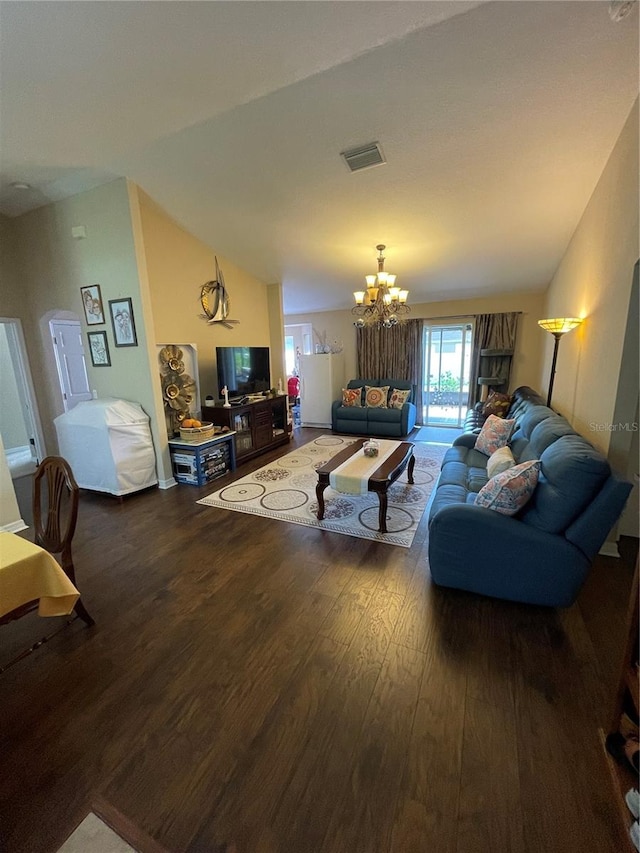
x: 321, y: 382
x: 108, y: 445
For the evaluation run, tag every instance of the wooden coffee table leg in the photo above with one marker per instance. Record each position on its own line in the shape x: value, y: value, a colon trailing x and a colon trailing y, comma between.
x: 382, y: 514
x: 412, y: 462
x: 320, y: 498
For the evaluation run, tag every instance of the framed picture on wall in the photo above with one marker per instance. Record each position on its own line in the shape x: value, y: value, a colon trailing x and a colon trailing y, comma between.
x: 99, y: 348
x: 92, y: 304
x: 124, y: 327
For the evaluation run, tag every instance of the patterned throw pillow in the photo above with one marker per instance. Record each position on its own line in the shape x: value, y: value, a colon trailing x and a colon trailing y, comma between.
x: 495, y: 433
x: 399, y: 398
x: 352, y: 397
x: 376, y: 397
x: 497, y: 404
x: 500, y: 461
x: 508, y: 492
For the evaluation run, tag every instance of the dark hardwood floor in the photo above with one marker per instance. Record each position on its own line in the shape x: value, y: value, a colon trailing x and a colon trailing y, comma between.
x: 292, y: 690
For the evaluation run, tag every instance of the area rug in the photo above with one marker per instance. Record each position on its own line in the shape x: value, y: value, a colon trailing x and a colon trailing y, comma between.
x: 106, y: 830
x: 285, y: 489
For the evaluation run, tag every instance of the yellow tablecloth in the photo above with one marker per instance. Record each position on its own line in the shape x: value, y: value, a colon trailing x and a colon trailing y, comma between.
x: 28, y: 572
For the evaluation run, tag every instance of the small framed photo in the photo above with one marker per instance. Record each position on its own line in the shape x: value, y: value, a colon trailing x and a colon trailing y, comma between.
x: 124, y: 327
x: 99, y: 349
x: 92, y: 304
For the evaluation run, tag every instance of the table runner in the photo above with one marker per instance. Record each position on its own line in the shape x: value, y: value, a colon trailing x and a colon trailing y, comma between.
x: 28, y: 572
x: 352, y: 477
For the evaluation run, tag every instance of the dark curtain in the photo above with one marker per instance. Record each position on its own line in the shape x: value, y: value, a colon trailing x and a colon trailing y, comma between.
x: 395, y: 353
x: 492, y: 331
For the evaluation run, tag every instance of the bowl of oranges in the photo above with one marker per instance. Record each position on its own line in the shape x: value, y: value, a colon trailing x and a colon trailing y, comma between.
x: 191, y: 429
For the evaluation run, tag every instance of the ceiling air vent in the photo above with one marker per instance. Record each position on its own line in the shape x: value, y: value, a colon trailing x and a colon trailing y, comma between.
x: 364, y: 157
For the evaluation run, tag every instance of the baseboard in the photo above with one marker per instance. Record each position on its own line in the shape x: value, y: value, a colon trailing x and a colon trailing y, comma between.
x: 167, y: 484
x: 609, y: 549
x: 14, y: 527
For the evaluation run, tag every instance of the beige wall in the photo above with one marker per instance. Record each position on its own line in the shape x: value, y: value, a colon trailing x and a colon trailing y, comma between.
x: 52, y: 266
x: 338, y: 326
x: 594, y: 281
x: 132, y: 249
x: 178, y: 264
x: 12, y: 299
x: 276, y: 333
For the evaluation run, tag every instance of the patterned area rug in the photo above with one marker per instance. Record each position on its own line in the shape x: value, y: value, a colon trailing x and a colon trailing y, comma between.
x: 286, y: 489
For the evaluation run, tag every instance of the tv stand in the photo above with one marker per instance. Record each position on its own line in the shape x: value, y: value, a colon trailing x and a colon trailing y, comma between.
x: 258, y: 426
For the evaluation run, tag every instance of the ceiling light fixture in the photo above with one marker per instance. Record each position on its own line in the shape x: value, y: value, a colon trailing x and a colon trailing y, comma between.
x: 380, y: 304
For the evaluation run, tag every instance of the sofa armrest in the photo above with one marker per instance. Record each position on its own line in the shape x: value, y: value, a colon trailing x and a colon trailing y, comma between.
x: 334, y: 413
x: 407, y: 417
x: 467, y: 439
x: 484, y: 551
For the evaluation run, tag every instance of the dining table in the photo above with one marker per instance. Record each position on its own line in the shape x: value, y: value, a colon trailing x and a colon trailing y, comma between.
x: 28, y: 573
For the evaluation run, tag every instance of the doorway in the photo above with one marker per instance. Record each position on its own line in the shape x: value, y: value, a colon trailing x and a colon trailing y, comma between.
x: 19, y: 418
x: 447, y: 359
x: 297, y: 341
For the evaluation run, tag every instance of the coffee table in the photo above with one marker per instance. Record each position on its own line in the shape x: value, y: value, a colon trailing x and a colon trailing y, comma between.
x: 379, y: 481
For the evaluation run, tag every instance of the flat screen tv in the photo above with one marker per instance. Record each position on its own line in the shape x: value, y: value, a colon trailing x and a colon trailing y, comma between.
x: 244, y: 370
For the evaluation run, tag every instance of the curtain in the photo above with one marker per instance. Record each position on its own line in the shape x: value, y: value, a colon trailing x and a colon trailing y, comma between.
x: 492, y: 331
x: 395, y: 353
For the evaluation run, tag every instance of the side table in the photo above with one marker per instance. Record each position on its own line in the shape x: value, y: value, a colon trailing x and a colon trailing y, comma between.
x: 199, y: 462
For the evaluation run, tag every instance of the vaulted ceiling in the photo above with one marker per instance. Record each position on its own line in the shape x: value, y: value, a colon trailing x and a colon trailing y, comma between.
x: 496, y: 120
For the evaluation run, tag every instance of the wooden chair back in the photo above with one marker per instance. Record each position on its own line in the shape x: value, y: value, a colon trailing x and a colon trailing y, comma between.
x: 55, y: 509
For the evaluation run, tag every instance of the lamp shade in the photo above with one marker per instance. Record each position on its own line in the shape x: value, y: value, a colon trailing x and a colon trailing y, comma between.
x: 560, y: 325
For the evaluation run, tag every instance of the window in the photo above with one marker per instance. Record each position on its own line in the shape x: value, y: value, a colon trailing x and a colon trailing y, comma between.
x: 447, y: 361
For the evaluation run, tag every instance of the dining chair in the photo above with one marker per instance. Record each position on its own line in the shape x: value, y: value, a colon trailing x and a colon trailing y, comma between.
x: 55, y: 513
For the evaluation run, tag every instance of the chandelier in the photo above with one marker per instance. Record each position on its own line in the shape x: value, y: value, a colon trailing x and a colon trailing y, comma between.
x: 382, y: 301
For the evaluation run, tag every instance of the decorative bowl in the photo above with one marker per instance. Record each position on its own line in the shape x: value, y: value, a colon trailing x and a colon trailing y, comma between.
x: 207, y: 430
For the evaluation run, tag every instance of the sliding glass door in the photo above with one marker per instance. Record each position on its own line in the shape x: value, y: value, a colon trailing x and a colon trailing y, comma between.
x: 447, y: 359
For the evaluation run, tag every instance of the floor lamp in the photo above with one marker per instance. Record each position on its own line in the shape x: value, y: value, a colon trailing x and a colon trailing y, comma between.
x: 558, y: 327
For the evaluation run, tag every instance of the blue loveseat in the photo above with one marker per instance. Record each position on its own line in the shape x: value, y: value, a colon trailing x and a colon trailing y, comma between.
x: 543, y: 554
x: 376, y: 421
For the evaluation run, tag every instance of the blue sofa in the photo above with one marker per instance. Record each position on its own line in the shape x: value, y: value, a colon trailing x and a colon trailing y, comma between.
x: 543, y: 554
x: 396, y: 423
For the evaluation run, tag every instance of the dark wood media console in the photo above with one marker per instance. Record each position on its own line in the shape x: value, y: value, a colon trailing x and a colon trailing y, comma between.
x: 259, y: 426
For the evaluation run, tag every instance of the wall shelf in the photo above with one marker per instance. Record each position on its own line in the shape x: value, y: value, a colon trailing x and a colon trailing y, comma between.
x: 495, y: 353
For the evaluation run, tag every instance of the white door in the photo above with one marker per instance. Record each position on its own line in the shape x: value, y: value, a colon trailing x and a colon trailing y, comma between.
x: 70, y: 361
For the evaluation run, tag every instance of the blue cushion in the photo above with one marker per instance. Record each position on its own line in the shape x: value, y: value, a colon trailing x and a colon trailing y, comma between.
x: 549, y: 431
x: 532, y: 417
x: 352, y: 413
x: 476, y: 478
x: 378, y: 415
x: 457, y: 453
x: 453, y: 473
x: 572, y: 473
x: 448, y: 494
